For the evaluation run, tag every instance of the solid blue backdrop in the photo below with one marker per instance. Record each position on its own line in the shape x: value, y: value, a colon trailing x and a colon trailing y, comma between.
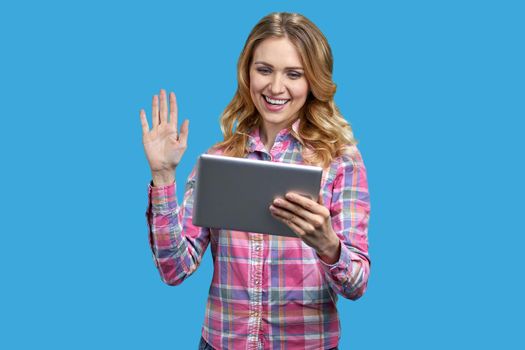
x: 433, y: 90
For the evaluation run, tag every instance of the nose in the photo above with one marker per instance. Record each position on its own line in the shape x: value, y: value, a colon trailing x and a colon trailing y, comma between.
x: 276, y: 85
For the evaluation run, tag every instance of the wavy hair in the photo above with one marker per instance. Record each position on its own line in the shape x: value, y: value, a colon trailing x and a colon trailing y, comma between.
x: 323, y: 132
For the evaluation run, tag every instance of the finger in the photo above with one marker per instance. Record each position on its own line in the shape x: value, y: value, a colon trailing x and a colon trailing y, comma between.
x: 173, y: 109
x: 288, y: 222
x: 290, y: 218
x: 296, y: 209
x: 307, y: 204
x: 155, y: 111
x: 144, y: 122
x: 184, y: 131
x: 163, y: 107
x: 300, y: 232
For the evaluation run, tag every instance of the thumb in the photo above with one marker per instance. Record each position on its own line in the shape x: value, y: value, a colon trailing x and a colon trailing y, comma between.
x: 184, y: 131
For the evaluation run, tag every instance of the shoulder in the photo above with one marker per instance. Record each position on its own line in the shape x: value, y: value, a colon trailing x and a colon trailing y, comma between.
x: 193, y: 174
x: 215, y: 150
x: 345, y: 169
x: 349, y: 161
x: 212, y: 151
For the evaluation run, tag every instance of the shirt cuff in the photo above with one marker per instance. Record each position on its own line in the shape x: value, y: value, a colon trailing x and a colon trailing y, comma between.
x: 163, y: 199
x: 339, y: 266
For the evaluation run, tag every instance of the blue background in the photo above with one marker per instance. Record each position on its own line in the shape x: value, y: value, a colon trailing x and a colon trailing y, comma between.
x: 433, y: 89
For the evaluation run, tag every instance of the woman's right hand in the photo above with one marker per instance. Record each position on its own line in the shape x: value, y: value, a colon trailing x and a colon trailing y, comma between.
x: 163, y: 146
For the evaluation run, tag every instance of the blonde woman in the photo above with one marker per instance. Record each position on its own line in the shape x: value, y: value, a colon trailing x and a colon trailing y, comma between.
x: 269, y: 292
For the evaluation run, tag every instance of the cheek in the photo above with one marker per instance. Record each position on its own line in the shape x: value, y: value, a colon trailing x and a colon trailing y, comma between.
x: 253, y: 89
x: 256, y: 83
x: 301, y: 91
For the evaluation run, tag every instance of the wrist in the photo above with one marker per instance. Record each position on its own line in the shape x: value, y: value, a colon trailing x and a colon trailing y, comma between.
x: 163, y: 178
x: 331, y: 252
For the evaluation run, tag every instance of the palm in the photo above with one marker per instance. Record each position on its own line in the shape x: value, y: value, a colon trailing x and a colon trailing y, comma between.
x: 163, y: 145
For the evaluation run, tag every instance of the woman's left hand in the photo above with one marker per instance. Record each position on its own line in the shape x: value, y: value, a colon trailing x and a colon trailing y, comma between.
x: 311, y: 222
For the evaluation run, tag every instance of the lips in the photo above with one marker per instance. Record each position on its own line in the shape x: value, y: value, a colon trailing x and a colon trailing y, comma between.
x: 274, y: 104
x: 276, y: 101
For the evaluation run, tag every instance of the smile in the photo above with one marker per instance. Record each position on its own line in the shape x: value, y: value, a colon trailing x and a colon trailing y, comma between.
x: 273, y: 101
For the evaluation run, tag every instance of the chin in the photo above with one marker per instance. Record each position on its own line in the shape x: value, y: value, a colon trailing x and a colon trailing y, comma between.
x: 275, y: 120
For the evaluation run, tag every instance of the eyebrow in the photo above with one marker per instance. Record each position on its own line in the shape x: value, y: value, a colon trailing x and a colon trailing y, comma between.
x: 267, y: 64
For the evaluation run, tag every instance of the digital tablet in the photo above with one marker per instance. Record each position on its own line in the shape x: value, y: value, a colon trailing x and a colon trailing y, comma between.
x: 236, y: 193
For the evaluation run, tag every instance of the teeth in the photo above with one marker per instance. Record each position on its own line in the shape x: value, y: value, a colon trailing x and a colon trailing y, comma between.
x: 274, y: 102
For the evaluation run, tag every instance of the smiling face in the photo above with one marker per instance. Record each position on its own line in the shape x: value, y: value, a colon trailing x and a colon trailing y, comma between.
x: 278, y: 86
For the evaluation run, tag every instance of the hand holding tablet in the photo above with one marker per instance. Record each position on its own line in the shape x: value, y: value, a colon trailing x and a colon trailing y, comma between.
x: 236, y: 193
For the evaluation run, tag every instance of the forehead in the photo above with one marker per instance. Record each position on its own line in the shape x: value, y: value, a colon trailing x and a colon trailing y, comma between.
x: 279, y: 52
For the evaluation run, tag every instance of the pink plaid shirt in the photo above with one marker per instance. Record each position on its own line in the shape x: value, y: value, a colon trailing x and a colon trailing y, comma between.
x: 269, y: 292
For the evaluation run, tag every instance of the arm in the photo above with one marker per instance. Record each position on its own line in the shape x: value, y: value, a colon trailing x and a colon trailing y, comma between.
x: 177, y: 245
x: 349, y: 211
x: 337, y: 232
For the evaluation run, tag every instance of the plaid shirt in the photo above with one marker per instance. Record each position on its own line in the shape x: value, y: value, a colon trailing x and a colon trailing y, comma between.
x: 269, y: 292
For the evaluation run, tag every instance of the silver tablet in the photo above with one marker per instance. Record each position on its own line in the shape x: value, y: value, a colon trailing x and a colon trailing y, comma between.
x: 235, y: 193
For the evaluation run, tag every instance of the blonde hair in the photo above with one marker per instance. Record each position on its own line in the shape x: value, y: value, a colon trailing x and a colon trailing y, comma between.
x: 323, y: 132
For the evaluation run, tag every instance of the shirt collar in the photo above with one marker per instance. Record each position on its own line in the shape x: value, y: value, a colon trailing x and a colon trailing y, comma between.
x: 254, y: 137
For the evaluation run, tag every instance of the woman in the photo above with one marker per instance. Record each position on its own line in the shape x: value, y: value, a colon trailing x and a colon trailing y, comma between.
x: 270, y: 292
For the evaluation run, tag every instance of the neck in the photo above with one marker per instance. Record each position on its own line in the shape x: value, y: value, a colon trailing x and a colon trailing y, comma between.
x: 268, y: 136
x: 268, y: 133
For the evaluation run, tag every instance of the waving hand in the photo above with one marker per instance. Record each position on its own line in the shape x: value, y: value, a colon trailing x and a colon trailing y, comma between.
x: 163, y: 144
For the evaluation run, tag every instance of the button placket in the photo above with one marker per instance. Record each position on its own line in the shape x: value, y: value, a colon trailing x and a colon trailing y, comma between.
x: 256, y: 260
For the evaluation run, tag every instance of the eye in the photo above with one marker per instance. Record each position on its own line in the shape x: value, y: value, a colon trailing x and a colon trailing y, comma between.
x: 294, y: 74
x: 264, y: 70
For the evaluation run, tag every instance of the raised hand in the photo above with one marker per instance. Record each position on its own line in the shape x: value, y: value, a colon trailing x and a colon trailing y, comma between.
x: 163, y: 145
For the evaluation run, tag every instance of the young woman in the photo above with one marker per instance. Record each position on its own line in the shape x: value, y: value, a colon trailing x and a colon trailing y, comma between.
x: 267, y: 291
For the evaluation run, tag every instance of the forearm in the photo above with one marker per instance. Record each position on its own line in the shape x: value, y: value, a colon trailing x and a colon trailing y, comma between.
x: 350, y: 212
x: 170, y: 230
x: 167, y: 245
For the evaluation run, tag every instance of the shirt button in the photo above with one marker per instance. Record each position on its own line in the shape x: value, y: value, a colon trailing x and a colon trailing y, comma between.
x: 257, y: 247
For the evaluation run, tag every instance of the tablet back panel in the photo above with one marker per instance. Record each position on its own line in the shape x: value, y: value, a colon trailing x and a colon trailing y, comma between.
x: 236, y: 193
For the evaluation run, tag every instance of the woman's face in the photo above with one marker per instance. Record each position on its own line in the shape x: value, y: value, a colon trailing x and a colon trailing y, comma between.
x: 278, y: 86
